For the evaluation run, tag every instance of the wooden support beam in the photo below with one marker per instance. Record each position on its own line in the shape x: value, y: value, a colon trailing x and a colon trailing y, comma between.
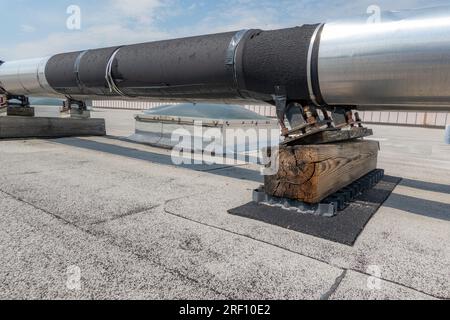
x: 313, y: 172
x: 20, y: 111
x: 30, y: 127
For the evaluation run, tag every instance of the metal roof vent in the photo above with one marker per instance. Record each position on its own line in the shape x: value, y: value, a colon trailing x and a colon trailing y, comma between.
x: 204, y: 111
x: 161, y: 126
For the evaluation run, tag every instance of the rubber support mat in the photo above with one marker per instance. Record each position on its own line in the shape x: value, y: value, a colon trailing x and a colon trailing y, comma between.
x: 343, y: 228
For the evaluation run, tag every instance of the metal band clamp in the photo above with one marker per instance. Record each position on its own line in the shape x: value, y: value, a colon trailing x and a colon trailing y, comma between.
x: 312, y: 94
x: 109, y: 78
x: 230, y: 59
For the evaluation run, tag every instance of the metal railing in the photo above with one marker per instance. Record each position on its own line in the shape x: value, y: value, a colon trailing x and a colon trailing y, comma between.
x: 422, y: 119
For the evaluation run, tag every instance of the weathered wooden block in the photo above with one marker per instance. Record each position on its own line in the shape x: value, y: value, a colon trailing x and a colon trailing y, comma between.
x: 30, y: 127
x: 313, y: 172
x: 20, y: 111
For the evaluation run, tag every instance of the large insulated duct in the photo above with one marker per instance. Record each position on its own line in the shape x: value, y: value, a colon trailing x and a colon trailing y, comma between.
x: 226, y: 67
x: 402, y: 62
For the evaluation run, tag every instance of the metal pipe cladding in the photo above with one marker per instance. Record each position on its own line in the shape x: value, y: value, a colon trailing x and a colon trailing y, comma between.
x: 402, y: 62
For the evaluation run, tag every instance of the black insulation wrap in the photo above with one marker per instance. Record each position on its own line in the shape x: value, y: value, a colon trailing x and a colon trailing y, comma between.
x: 278, y: 58
x: 92, y: 71
x: 191, y: 68
x: 80, y: 73
x: 194, y: 68
x: 60, y: 74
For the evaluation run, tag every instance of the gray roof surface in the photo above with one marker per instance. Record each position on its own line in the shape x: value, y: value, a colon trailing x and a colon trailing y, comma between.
x: 137, y: 226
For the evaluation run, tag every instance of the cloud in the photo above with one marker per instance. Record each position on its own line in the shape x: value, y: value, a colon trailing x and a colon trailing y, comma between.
x: 237, y: 15
x: 121, y: 22
x: 142, y: 11
x: 27, y: 28
x: 90, y: 38
x: 117, y: 22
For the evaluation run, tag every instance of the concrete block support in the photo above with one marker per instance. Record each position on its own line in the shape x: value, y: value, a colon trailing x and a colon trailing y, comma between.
x: 20, y: 111
x: 30, y: 127
x: 77, y: 114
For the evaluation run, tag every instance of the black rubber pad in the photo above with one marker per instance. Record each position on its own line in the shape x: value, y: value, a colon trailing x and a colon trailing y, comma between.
x: 343, y: 228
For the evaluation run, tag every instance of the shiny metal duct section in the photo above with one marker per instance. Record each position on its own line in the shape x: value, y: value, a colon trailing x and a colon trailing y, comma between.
x: 26, y: 77
x: 402, y: 62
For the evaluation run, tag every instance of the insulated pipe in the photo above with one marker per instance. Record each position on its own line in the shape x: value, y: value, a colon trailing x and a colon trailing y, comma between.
x: 401, y: 63
x: 234, y: 66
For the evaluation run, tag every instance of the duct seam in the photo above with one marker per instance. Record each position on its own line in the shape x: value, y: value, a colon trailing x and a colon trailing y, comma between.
x: 77, y: 69
x: 232, y: 56
x: 38, y: 77
x: 109, y: 78
x: 42, y: 78
x: 309, y: 65
x: 19, y: 74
